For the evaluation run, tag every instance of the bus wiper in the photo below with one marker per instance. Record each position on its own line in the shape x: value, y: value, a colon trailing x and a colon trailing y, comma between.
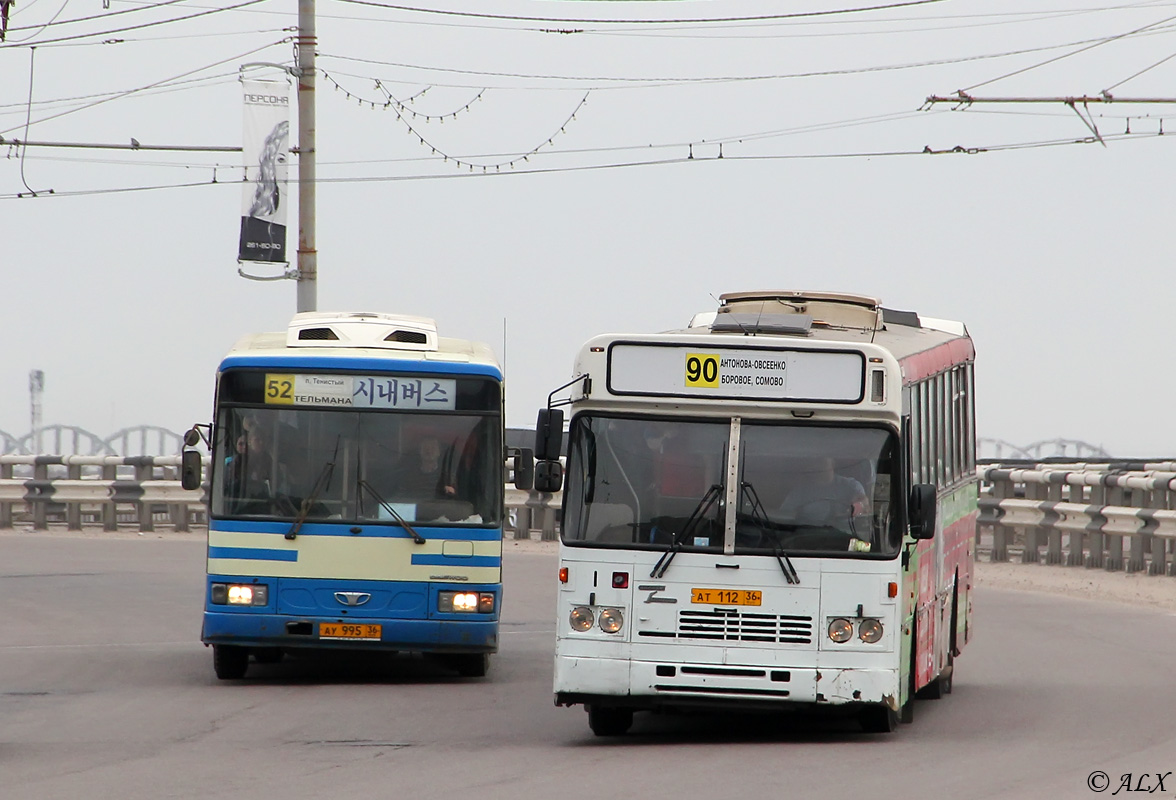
x: 757, y: 508
x: 321, y: 483
x: 704, y: 504
x: 416, y: 537
x: 761, y: 515
x: 786, y: 565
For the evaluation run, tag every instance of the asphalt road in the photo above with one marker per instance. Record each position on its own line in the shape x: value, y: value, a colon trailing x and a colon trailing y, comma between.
x: 106, y: 692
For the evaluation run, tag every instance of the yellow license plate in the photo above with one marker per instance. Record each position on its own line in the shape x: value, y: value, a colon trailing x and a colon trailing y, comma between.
x: 727, y: 597
x: 344, y: 630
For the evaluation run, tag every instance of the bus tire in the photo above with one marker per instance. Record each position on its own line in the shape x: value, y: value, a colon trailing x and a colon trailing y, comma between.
x: 879, y: 719
x: 609, y: 721
x: 471, y: 665
x: 267, y: 655
x: 229, y: 661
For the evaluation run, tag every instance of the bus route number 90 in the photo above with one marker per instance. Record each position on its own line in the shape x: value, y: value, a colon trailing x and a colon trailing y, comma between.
x: 702, y: 370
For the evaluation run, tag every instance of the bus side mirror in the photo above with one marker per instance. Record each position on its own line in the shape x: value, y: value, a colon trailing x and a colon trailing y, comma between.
x: 921, y: 511
x: 548, y: 476
x: 524, y: 468
x: 190, y: 469
x: 549, y: 434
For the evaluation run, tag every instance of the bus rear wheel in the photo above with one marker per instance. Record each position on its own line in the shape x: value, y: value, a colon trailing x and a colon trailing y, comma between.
x: 229, y: 661
x: 608, y: 721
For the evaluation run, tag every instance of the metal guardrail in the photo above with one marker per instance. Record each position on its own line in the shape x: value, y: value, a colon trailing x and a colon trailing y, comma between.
x: 1110, y: 516
x: 87, y: 490
x: 1096, y: 516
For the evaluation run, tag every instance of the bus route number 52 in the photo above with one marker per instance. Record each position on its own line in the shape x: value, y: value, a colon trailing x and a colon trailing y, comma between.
x: 279, y: 389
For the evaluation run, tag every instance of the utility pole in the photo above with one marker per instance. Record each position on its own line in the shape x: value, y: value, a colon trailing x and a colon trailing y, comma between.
x: 307, y: 254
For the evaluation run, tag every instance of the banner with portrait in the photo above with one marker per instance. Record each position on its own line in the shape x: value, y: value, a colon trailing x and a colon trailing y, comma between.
x: 266, y: 156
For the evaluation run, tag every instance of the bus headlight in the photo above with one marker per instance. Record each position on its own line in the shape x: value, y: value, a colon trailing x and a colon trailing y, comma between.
x: 581, y: 618
x: 840, y: 630
x: 870, y: 630
x: 611, y: 620
x: 239, y: 594
x: 466, y: 602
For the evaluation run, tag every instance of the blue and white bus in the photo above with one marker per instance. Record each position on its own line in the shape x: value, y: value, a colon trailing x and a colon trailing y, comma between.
x: 356, y: 494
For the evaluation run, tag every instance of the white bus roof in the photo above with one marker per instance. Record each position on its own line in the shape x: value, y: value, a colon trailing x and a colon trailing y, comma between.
x: 364, y: 335
x: 824, y: 316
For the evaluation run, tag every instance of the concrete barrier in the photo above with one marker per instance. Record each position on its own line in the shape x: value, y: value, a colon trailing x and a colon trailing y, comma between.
x: 91, y: 492
x: 1094, y: 516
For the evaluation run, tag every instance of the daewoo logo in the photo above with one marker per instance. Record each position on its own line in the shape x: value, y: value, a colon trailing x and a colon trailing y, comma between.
x: 352, y: 598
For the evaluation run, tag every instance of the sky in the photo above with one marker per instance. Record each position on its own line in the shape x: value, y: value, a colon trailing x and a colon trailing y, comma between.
x: 674, y: 151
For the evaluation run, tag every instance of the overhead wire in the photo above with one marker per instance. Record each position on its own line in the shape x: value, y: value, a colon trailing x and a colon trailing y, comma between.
x: 40, y: 28
x: 152, y: 85
x: 601, y: 82
x: 104, y: 15
x: 1104, y: 41
x: 927, y: 151
x: 660, y: 21
x: 153, y: 24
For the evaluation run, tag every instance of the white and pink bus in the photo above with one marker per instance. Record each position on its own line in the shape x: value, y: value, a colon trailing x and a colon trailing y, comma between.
x: 772, y: 509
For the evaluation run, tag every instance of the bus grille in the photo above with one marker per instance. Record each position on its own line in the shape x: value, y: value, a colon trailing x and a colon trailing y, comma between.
x: 741, y: 626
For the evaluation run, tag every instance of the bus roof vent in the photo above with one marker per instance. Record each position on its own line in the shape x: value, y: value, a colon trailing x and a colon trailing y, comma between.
x: 362, y: 329
x: 795, y: 312
x: 321, y: 334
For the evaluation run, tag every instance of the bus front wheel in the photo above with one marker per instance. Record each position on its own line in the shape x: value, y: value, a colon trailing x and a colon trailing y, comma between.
x: 471, y: 665
x: 606, y: 721
x: 230, y: 661
x: 879, y: 719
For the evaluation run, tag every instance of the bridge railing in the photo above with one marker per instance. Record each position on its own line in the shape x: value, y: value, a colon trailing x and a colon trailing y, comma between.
x: 1113, y: 516
x: 141, y: 492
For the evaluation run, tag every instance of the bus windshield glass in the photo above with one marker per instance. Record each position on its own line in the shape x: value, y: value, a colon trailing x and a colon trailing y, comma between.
x: 822, y: 489
x: 358, y: 465
x: 659, y: 483
x: 646, y: 482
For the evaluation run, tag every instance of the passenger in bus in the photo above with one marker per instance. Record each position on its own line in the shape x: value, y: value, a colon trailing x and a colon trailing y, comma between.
x: 818, y: 496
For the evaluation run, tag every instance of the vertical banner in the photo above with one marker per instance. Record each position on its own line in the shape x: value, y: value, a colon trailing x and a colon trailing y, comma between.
x: 266, y: 145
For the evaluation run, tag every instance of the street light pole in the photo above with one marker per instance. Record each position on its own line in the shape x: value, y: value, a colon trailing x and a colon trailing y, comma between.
x: 307, y: 254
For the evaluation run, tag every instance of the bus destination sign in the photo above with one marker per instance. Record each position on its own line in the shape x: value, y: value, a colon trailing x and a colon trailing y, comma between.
x: 360, y: 391
x: 829, y: 376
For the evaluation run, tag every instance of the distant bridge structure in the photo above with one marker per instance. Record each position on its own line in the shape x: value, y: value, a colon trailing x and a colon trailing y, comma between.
x: 65, y: 440
x: 1037, y: 451
x: 146, y: 440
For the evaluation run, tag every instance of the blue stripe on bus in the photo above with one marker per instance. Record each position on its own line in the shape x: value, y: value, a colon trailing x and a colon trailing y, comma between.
x: 370, y: 365
x: 253, y: 553
x: 370, y: 528
x: 456, y: 561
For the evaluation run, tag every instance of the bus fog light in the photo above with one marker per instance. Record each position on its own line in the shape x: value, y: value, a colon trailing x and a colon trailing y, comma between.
x: 870, y: 630
x: 581, y: 618
x: 611, y: 620
x: 840, y: 630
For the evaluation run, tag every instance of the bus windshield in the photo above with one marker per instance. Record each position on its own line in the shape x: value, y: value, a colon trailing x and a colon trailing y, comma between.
x: 659, y: 483
x: 359, y: 466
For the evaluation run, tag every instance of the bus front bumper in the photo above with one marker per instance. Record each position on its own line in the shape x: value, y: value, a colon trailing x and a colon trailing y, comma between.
x: 274, y: 630
x: 652, y: 685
